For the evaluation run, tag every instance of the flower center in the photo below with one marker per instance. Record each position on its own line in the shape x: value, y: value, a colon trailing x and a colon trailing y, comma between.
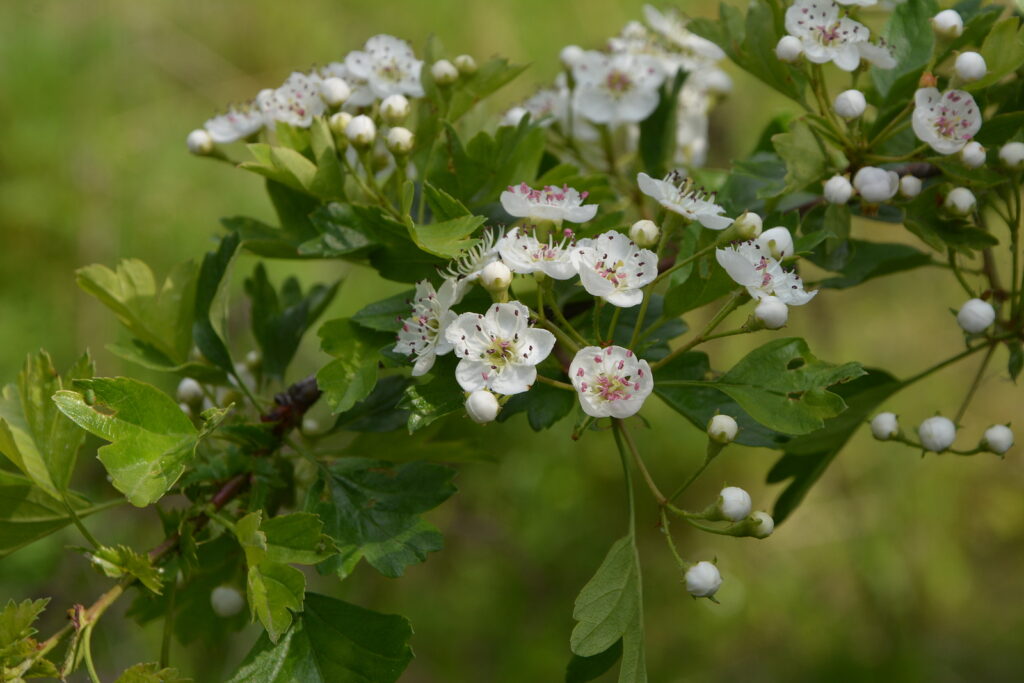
x: 950, y: 124
x: 618, y: 82
x: 500, y: 353
x: 610, y: 272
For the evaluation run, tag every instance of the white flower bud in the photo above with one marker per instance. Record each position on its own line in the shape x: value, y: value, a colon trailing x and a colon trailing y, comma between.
x: 334, y: 91
x: 339, y: 122
x: 1012, y: 154
x: 496, y: 277
x: 253, y: 359
x: 394, y: 109
x: 717, y: 82
x: 850, y: 104
x: 838, y: 190
x: 789, y: 49
x: 189, y: 391
x: 748, y: 225
x: 444, y: 72
x: 513, y: 116
x: 199, y: 142
x: 361, y: 131
x: 910, y: 186
x: 703, y: 580
x: 960, y: 201
x: 970, y: 66
x: 226, y: 601
x: 766, y: 527
x: 948, y: 24
x: 937, y: 433
x: 722, y: 429
x: 875, y: 184
x: 310, y: 425
x: 772, y: 312
x: 778, y: 241
x: 570, y: 55
x: 884, y: 426
x: 482, y: 407
x: 998, y: 439
x: 973, y: 155
x: 399, y: 141
x: 975, y: 316
x: 644, y: 233
x: 465, y: 64
x: 734, y: 503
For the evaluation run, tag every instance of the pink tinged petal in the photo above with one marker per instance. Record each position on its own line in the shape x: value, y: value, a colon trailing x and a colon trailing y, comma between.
x: 470, y: 374
x: 738, y: 267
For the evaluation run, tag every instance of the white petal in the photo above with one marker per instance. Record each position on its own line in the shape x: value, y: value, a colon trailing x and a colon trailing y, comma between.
x: 514, y: 379
x: 739, y: 268
x: 541, y: 342
x: 625, y: 298
x: 713, y: 221
x: 470, y: 374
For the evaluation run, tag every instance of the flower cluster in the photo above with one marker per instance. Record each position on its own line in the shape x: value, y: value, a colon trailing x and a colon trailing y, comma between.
x: 818, y: 30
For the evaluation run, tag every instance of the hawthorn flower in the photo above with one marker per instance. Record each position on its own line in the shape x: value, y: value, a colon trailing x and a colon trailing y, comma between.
x: 910, y: 186
x: 827, y: 37
x: 482, y: 407
x: 789, y: 49
x: 765, y: 524
x: 549, y: 203
x: 948, y: 24
x: 335, y: 91
x: 875, y: 184
x: 199, y: 142
x: 422, y: 333
x: 467, y: 267
x: 239, y: 122
x: 850, y: 104
x: 672, y: 26
x: 678, y: 194
x: 612, y: 267
x: 838, y: 190
x: 975, y: 316
x: 444, y: 72
x: 945, y: 121
x: 960, y: 201
x: 524, y: 253
x: 885, y: 426
x: 970, y: 66
x: 385, y: 66
x: 498, y: 350
x: 226, y: 601
x: 772, y: 313
x: 734, y: 503
x: 616, y: 88
x: 937, y: 433
x: 296, y: 102
x: 998, y: 439
x: 645, y: 233
x: 703, y: 580
x: 611, y: 382
x: 1012, y: 154
x: 751, y: 265
x: 722, y: 428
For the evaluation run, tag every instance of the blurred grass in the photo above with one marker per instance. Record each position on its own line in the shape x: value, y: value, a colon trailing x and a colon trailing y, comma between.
x: 895, y: 568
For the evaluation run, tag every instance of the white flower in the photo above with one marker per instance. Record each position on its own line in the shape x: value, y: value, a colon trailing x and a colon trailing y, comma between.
x: 722, y: 428
x: 199, y: 142
x: 547, y: 106
x: 467, y: 267
x: 524, y: 253
x: 789, y: 49
x: 226, y: 601
x: 612, y: 267
x: 937, y: 433
x: 335, y: 91
x: 998, y: 439
x: 850, y: 104
x: 399, y: 140
x: 672, y: 26
x: 975, y: 316
x: 645, y: 233
x: 361, y: 131
x: 884, y: 426
x: 838, y: 190
x: 189, y: 391
x: 945, y: 121
x: 394, y: 109
x: 910, y: 186
x: 422, y: 333
x: 465, y: 64
x: 948, y: 24
x: 385, y: 66
x: 1012, y: 154
x: 826, y: 37
x: 749, y: 264
x: 778, y: 241
x: 498, y: 350
x: 678, y: 194
x: 734, y: 503
x: 766, y: 524
x: 703, y: 580
x: 616, y: 88
x: 549, y: 203
x: 611, y: 382
x: 482, y: 407
x: 876, y: 184
x: 239, y: 122
x: 496, y: 277
x: 772, y: 313
x: 970, y: 66
x: 960, y: 201
x: 296, y: 102
x: 444, y: 72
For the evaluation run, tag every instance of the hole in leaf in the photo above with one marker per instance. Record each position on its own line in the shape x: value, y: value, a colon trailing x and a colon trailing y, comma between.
x: 795, y: 363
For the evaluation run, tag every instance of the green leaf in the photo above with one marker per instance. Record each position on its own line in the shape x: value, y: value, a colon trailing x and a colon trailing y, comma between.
x: 489, y: 77
x: 432, y: 400
x: 609, y: 605
x: 707, y: 282
x: 1003, y: 51
x: 911, y: 40
x: 146, y: 356
x: 545, y: 405
x: 338, y: 237
x: 150, y: 673
x: 152, y: 441
x: 807, y: 158
x: 211, y: 304
x: 16, y: 629
x: 868, y: 260
x: 583, y: 669
x: 450, y: 238
x: 940, y: 232
x: 295, y: 538
x: 443, y: 206
x: 27, y: 514
x: 274, y: 591
x: 479, y: 171
x: 386, y: 315
x: 120, y: 561
x: 332, y: 642
x: 378, y: 412
x: 351, y: 376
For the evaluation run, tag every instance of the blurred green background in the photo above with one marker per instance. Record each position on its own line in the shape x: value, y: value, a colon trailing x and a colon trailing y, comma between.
x: 895, y: 568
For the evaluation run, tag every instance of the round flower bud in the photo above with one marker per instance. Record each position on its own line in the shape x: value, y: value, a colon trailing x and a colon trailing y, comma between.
x: 482, y: 407
x: 253, y: 360
x: 937, y: 433
x: 496, y: 277
x: 399, y: 141
x: 973, y: 155
x: 960, y: 201
x: 779, y: 242
x: 361, y: 131
x: 717, y: 82
x: 465, y: 64
x: 850, y: 104
x: 1012, y: 154
x: 334, y: 91
x: 766, y: 526
x: 310, y: 425
x: 394, y: 109
x: 748, y: 225
x: 570, y: 55
x: 998, y: 439
x: 339, y: 122
x: 735, y: 503
x: 910, y: 186
x: 772, y: 312
x: 970, y: 66
x: 199, y: 142
x: 948, y: 24
x: 703, y: 580
x: 884, y: 426
x: 722, y: 429
x: 975, y: 316
x: 876, y: 184
x: 789, y: 49
x: 189, y: 391
x: 444, y: 72
x: 226, y: 601
x: 644, y: 233
x: 838, y: 190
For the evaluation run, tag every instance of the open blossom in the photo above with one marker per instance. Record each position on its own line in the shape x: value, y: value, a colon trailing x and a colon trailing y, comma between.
x: 616, y: 88
x: 678, y: 194
x: 467, y: 267
x: 385, y: 66
x: 945, y: 121
x: 524, y: 253
x: 672, y: 26
x: 827, y: 37
x: 612, y: 267
x: 611, y: 382
x: 751, y: 264
x: 549, y: 203
x: 498, y: 350
x: 296, y: 102
x: 239, y: 122
x: 422, y: 333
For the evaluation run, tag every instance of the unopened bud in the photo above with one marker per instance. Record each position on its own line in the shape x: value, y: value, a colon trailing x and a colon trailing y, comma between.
x: 763, y: 525
x: 748, y: 225
x: 973, y: 155
x: 334, y: 91
x: 876, y: 184
x: 910, y: 186
x: 960, y: 201
x: 970, y: 67
x: 772, y: 312
x: 644, y: 233
x: 722, y: 429
x: 394, y: 109
x: 838, y: 190
x: 339, y: 122
x: 1012, y: 155
x: 226, y: 601
x: 496, y: 277
x: 975, y: 316
x: 465, y: 64
x: 482, y: 407
x: 189, y: 391
x: 948, y: 24
x: 850, y: 104
x: 884, y: 426
x: 778, y: 241
x: 570, y: 55
x: 789, y: 49
x: 361, y: 131
x: 937, y: 433
x: 703, y: 580
x: 444, y: 72
x: 399, y: 141
x: 734, y: 503
x: 199, y: 142
x: 998, y: 439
